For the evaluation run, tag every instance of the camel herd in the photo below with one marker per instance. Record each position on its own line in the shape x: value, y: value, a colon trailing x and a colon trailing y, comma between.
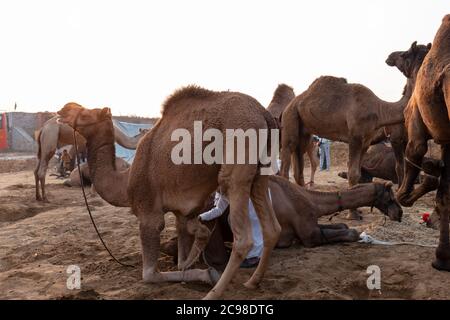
x: 331, y: 108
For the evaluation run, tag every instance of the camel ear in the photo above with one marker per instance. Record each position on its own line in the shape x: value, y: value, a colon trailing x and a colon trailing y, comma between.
x: 106, y: 112
x: 414, y: 45
x: 429, y: 46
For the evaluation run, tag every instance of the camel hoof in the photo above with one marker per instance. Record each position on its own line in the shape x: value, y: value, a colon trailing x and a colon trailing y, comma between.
x: 353, y: 235
x: 212, y: 295
x: 354, y: 215
x: 214, y: 275
x: 441, y: 265
x: 250, y: 285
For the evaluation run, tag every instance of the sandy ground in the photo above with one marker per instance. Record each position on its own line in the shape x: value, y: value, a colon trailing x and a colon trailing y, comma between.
x: 39, y: 241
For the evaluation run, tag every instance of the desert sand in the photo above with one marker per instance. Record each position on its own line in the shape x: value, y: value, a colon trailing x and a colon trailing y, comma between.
x: 39, y: 241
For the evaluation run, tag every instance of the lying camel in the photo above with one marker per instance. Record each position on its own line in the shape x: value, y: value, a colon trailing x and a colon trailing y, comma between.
x: 298, y: 210
x: 427, y: 117
x: 337, y: 110
x: 379, y: 162
x: 74, y: 178
x: 55, y: 135
x: 282, y: 96
x: 155, y: 185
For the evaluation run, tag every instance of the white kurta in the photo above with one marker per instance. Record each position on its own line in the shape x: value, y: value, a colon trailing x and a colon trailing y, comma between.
x: 221, y: 204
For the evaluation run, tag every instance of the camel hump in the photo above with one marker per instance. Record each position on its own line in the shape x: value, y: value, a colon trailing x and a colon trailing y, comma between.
x: 189, y: 92
x: 328, y: 80
x: 282, y: 91
x: 446, y: 18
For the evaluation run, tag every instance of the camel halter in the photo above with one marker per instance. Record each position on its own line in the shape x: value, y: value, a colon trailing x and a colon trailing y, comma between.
x: 85, y: 198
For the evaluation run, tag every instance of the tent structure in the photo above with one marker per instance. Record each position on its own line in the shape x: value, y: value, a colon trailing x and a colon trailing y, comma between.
x: 130, y: 129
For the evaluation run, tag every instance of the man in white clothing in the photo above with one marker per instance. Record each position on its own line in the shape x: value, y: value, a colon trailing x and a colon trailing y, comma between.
x: 221, y: 204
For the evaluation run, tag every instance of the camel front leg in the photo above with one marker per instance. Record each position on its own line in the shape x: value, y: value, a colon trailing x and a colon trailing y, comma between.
x: 150, y: 226
x: 415, y: 151
x: 354, y: 170
x: 201, y: 236
x: 442, y: 261
x: 184, y: 240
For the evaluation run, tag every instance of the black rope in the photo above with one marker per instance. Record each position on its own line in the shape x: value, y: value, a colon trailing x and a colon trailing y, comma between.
x: 87, y: 205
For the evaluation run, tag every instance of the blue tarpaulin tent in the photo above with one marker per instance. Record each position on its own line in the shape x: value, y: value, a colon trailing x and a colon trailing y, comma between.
x: 131, y: 130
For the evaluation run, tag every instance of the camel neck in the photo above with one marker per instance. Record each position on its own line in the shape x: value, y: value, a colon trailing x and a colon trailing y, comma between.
x: 110, y: 184
x: 391, y: 113
x: 124, y: 140
x: 362, y: 195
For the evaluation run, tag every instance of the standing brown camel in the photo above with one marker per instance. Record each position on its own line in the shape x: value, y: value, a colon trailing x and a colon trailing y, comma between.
x: 155, y: 185
x: 298, y: 210
x: 55, y: 135
x: 337, y: 110
x: 427, y: 117
x: 282, y: 96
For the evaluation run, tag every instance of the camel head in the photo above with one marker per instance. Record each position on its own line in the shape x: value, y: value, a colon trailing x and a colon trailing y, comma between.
x: 386, y: 201
x: 82, y: 119
x: 409, y: 62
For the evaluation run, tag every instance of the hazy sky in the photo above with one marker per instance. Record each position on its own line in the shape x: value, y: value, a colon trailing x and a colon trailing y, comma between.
x: 129, y: 55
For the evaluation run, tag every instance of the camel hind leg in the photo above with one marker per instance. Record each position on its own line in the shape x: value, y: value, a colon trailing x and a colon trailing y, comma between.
x: 271, y: 229
x: 290, y: 138
x: 298, y: 159
x: 39, y: 176
x: 236, y: 182
x: 37, y: 180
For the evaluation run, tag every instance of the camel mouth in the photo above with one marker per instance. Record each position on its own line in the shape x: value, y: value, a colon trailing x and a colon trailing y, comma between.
x: 390, y: 62
x: 60, y: 120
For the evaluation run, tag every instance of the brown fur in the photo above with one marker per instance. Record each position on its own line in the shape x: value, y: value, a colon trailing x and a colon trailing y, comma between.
x: 282, y: 96
x: 335, y: 109
x: 427, y: 117
x: 155, y: 185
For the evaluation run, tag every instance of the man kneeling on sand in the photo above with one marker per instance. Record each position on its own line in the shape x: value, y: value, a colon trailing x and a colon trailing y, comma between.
x: 221, y: 204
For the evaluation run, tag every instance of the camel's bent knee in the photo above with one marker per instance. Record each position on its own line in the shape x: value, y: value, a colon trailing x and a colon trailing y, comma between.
x: 241, y: 248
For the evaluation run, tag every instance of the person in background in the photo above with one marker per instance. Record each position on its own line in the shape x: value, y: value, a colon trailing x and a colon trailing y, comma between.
x: 221, y: 203
x: 324, y: 146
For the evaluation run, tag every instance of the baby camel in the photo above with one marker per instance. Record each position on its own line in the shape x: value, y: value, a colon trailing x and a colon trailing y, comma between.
x: 155, y: 185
